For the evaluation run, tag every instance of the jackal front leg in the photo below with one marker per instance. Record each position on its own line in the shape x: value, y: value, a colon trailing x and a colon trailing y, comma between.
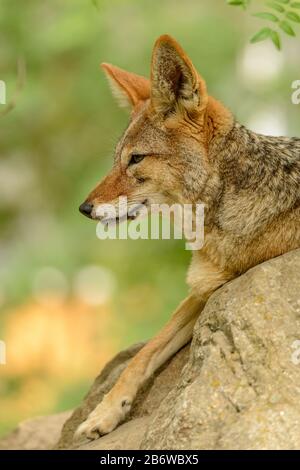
x: 117, y: 403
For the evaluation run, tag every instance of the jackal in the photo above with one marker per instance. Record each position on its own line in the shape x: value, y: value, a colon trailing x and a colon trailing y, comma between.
x: 183, y: 146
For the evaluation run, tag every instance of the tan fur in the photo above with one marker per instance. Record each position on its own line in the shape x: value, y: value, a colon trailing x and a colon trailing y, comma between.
x: 129, y: 88
x: 196, y: 152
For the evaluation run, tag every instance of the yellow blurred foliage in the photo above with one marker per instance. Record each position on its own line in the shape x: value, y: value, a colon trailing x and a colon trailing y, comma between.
x: 68, y: 339
x: 51, y: 347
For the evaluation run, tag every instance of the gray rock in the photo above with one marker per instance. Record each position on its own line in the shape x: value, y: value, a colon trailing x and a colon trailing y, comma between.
x: 240, y: 389
x: 129, y: 435
x: 237, y: 386
x: 36, y: 434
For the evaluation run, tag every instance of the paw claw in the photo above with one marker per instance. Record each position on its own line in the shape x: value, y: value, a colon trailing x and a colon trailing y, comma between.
x: 103, y: 419
x: 96, y: 433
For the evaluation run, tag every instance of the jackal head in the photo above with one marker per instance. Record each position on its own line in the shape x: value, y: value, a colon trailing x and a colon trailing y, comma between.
x: 163, y: 156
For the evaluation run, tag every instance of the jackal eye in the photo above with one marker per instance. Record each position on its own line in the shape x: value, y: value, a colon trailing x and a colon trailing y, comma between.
x: 135, y: 158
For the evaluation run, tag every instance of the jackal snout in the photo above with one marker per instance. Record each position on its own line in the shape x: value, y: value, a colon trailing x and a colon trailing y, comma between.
x: 86, y: 209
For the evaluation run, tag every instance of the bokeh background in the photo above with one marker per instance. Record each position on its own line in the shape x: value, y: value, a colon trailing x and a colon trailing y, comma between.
x: 69, y: 301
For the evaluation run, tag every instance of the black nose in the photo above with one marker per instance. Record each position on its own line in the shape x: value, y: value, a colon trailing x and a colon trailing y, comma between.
x: 86, y: 208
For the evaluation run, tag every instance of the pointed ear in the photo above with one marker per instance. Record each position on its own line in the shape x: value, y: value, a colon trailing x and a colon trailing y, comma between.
x: 128, y: 88
x: 176, y: 87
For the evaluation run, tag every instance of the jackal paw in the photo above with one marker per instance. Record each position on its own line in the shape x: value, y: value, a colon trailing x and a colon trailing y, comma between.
x: 104, y: 418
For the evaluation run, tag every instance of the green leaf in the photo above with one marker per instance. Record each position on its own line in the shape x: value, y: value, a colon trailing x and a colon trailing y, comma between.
x: 239, y: 3
x: 236, y: 2
x: 295, y: 5
x: 283, y: 1
x: 96, y: 4
x: 267, y: 16
x: 263, y: 34
x: 286, y: 27
x: 276, y: 7
x: 293, y: 16
x: 276, y: 39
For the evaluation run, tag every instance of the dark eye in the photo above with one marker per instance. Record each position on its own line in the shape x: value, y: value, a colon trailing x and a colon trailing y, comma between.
x: 134, y: 159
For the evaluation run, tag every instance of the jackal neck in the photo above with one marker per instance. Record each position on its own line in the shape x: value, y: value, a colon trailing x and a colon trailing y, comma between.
x: 219, y: 120
x: 260, y: 179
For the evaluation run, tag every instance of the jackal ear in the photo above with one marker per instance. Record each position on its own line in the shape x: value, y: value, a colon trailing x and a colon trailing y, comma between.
x: 176, y: 87
x: 127, y: 87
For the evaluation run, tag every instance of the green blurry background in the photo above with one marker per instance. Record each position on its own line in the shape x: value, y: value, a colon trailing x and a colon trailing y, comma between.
x: 68, y: 300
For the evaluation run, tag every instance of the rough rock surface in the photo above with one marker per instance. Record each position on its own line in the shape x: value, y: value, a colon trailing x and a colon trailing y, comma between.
x: 129, y: 434
x: 240, y: 388
x: 36, y: 434
x: 237, y: 386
